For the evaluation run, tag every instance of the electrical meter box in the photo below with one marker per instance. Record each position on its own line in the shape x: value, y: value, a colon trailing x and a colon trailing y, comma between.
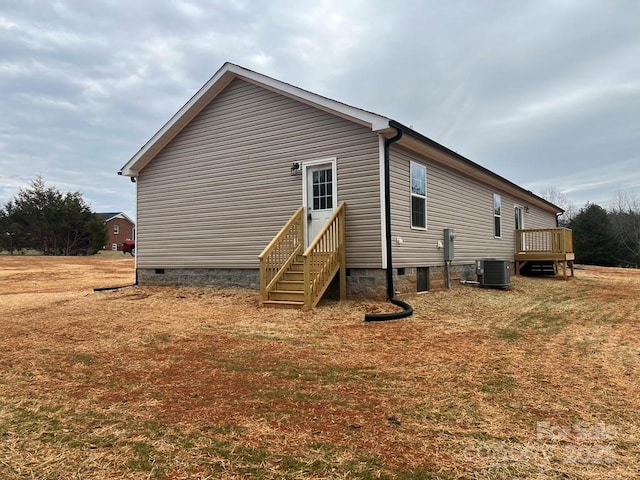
x: 449, y: 237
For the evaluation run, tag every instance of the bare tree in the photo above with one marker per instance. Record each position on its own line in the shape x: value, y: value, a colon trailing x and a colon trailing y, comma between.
x: 625, y: 220
x: 555, y: 196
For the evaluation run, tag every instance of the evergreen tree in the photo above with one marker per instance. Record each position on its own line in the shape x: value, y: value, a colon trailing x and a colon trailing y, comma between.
x: 12, y: 236
x: 593, y: 238
x: 44, y: 219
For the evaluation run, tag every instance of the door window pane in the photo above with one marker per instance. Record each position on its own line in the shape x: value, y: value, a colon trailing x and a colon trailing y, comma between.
x: 322, y: 189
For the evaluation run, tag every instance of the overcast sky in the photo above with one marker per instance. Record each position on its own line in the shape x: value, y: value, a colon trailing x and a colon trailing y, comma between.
x: 544, y: 93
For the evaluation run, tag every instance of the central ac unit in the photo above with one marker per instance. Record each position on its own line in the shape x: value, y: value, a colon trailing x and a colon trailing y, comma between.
x: 494, y: 273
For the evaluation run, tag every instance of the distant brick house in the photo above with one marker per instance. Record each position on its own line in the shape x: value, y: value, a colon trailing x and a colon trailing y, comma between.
x: 119, y: 228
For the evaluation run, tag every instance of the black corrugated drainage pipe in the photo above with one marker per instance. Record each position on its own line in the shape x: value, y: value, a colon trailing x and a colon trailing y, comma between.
x: 106, y: 289
x: 408, y: 309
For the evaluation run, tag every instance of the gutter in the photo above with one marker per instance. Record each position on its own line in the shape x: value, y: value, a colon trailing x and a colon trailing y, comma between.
x: 407, y: 309
x: 426, y: 140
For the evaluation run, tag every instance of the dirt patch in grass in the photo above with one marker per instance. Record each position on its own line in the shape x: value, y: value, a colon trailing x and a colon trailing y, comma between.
x: 540, y: 381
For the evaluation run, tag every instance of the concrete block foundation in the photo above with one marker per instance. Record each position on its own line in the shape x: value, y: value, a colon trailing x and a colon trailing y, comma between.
x: 218, y: 277
x: 362, y: 283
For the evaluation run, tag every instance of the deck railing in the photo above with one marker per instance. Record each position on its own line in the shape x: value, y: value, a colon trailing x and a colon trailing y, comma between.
x: 281, y: 252
x: 544, y: 240
x: 546, y: 245
x: 323, y: 258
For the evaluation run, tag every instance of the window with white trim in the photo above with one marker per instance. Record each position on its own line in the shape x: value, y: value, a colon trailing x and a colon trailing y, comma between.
x: 116, y: 229
x: 114, y: 247
x: 497, y: 216
x: 418, y: 196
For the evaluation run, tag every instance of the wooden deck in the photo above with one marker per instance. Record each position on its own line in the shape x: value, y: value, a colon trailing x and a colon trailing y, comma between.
x: 545, y: 245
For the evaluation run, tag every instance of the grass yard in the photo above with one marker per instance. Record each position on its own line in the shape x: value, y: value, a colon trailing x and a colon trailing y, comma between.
x: 173, y: 383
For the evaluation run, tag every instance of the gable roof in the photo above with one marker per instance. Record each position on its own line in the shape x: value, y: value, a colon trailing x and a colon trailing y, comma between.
x: 111, y: 215
x: 217, y: 84
x: 377, y: 123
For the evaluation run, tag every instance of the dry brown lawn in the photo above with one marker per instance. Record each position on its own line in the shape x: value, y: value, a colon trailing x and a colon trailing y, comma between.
x: 540, y: 381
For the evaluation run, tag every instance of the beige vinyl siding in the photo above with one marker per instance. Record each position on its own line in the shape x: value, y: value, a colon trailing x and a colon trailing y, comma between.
x: 453, y: 201
x: 217, y: 194
x: 537, y: 218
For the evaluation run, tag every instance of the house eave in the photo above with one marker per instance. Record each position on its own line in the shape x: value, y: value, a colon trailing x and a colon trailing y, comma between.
x: 438, y: 153
x: 128, y: 172
x: 120, y: 215
x: 227, y: 73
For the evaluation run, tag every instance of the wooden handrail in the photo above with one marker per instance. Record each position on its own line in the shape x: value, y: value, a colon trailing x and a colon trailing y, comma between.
x: 322, y: 232
x: 551, y: 240
x: 281, y: 252
x: 282, y: 231
x: 324, y: 257
x: 550, y: 245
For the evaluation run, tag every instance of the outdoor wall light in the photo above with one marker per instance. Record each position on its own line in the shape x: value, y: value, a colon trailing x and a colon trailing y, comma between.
x: 295, y: 169
x: 526, y: 209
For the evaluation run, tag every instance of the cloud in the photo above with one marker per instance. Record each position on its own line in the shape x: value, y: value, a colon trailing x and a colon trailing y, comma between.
x: 580, y: 100
x: 597, y: 184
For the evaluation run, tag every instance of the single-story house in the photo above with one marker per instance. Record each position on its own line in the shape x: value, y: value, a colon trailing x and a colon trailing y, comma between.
x: 219, y: 181
x: 119, y: 228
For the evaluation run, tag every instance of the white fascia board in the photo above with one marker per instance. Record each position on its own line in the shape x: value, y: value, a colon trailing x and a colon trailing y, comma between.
x: 375, y: 121
x: 127, y: 171
x: 169, y: 129
x: 122, y: 216
x: 215, y: 85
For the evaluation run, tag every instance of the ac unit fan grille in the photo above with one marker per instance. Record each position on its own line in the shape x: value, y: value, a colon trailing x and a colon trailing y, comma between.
x: 496, y: 273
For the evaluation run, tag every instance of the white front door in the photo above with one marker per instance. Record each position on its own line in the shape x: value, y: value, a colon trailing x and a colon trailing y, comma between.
x: 320, y: 197
x: 519, y: 217
x: 519, y: 211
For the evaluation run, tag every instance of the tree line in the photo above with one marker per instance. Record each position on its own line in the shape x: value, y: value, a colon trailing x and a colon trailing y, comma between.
x: 603, y: 236
x: 54, y: 223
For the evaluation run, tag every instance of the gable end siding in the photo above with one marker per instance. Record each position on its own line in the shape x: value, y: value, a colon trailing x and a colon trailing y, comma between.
x: 217, y: 194
x: 453, y: 201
